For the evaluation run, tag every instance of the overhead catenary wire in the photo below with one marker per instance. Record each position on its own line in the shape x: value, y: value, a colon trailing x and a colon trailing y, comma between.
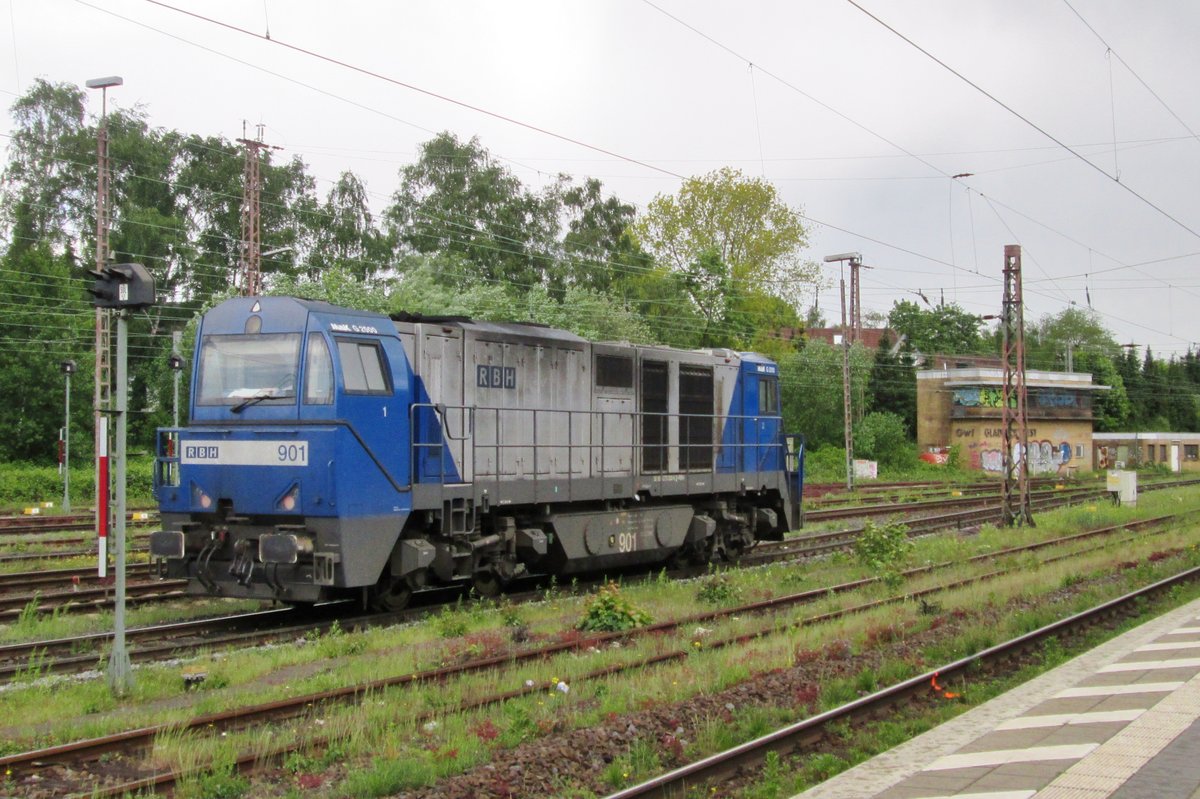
x: 698, y: 32
x: 1110, y: 51
x: 808, y: 218
x: 1146, y: 201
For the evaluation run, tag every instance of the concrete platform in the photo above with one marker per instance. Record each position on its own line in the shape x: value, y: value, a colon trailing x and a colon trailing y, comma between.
x: 1121, y: 721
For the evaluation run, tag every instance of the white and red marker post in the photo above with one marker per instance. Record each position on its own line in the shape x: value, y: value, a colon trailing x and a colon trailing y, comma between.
x: 102, y: 491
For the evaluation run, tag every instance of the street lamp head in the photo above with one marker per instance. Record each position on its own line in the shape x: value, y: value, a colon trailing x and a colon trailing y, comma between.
x: 844, y: 256
x: 105, y: 83
x: 68, y: 367
x: 175, y: 362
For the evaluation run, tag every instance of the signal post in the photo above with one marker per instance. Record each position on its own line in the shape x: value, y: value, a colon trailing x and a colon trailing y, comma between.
x: 120, y: 288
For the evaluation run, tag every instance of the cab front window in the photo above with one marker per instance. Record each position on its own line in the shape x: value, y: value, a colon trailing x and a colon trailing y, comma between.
x: 237, y: 368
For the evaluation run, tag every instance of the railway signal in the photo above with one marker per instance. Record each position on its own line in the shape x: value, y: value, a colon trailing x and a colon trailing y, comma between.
x: 121, y: 288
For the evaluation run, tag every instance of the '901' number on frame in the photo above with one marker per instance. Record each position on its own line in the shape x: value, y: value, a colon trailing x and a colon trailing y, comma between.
x: 292, y: 453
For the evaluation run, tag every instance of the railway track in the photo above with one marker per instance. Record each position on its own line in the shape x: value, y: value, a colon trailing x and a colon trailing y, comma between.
x: 73, y: 654
x: 23, y: 557
x: 64, y: 578
x: 79, y: 653
x: 801, y: 735
x: 131, y: 743
x: 87, y: 600
x: 23, y: 525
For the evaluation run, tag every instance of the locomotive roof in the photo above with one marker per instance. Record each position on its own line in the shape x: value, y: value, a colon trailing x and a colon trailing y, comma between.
x: 527, y: 329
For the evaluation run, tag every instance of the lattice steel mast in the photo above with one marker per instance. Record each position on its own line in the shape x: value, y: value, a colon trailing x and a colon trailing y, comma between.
x: 250, y: 263
x: 1014, y: 420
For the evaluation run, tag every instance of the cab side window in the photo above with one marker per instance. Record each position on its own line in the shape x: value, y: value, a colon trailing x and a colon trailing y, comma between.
x: 768, y: 396
x: 318, y: 372
x: 363, y: 367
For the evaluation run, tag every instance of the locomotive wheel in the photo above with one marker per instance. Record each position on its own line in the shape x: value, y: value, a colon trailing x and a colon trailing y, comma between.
x: 391, y: 595
x: 487, y: 583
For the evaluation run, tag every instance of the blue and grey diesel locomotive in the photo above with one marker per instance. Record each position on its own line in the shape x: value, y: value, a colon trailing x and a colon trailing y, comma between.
x: 333, y: 452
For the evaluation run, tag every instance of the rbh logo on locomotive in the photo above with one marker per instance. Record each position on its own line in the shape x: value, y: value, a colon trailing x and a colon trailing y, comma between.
x: 495, y: 376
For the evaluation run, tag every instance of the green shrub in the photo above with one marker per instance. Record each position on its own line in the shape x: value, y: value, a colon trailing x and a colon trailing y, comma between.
x: 825, y: 465
x: 882, y: 437
x: 24, y: 483
x: 883, y: 548
x: 718, y: 589
x: 609, y: 611
x: 450, y: 623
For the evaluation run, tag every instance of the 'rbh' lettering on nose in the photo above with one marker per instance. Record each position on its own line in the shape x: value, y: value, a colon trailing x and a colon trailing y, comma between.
x: 202, y: 453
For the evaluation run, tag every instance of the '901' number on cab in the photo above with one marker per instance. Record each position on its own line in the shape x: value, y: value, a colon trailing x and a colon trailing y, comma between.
x: 292, y: 453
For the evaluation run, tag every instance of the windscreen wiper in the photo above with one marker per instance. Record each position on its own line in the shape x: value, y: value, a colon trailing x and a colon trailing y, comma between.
x: 257, y: 398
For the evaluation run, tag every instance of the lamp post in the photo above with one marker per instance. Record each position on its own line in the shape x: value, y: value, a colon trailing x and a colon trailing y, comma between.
x: 855, y: 260
x: 68, y: 369
x: 103, y: 381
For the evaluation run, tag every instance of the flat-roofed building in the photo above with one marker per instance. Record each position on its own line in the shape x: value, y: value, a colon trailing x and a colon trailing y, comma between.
x: 964, y: 407
x: 1180, y: 452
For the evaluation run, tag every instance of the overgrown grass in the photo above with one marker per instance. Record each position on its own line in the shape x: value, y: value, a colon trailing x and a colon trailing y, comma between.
x: 389, y: 749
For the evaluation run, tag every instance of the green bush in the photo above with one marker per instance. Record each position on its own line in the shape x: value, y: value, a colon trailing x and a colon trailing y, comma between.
x: 718, y: 589
x: 882, y: 437
x: 609, y: 611
x: 883, y: 548
x: 23, y: 483
x: 825, y: 465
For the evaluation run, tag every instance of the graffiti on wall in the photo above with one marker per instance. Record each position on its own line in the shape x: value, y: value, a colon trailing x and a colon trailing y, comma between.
x: 1054, y: 399
x: 1043, y: 457
x: 981, y: 398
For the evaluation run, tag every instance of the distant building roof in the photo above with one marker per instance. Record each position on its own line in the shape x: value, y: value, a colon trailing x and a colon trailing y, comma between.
x: 941, y: 361
x: 869, y: 337
x: 964, y: 378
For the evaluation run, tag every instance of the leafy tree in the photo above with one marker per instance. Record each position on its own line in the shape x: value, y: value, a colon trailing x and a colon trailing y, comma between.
x: 1073, y: 329
x: 598, y: 250
x: 424, y: 289
x: 50, y: 156
x: 1111, y: 409
x: 883, y: 437
x: 210, y: 183
x: 457, y: 200
x: 1131, y: 377
x: 40, y: 327
x: 1182, y: 405
x: 892, y: 386
x: 1154, y: 400
x: 811, y: 381
x: 730, y: 237
x: 657, y: 295
x: 344, y: 232
x: 946, y: 329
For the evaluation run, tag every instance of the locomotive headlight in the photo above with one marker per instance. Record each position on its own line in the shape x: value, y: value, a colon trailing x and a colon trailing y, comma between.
x: 200, y: 498
x: 290, y: 499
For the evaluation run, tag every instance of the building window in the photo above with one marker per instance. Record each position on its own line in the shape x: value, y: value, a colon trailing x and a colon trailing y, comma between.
x: 1079, y: 450
x: 1162, y: 452
x: 1150, y: 453
x: 1191, y: 452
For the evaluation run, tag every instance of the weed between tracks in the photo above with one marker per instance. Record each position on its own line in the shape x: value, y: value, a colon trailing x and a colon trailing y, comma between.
x: 406, y: 738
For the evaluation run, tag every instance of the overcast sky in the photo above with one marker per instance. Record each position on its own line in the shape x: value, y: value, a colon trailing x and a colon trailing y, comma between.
x: 856, y: 127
